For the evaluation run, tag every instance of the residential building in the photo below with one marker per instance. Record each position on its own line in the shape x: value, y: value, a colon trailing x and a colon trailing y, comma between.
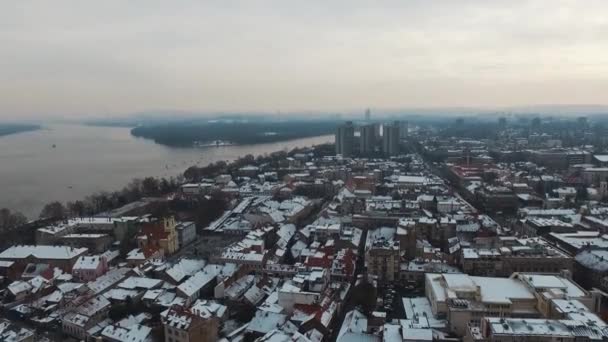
x: 539, y: 226
x: 62, y: 257
x: 186, y: 233
x: 497, y: 199
x: 390, y: 139
x: 94, y: 242
x: 464, y: 300
x: 345, y: 139
x: 188, y: 326
x: 586, y: 327
x: 79, y: 320
x: 382, y: 255
x: 89, y: 268
x: 159, y: 233
x: 526, y: 255
x: 15, y: 333
x: 367, y: 141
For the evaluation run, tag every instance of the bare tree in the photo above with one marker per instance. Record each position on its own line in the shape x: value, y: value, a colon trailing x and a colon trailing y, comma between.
x: 54, y: 210
x: 10, y: 220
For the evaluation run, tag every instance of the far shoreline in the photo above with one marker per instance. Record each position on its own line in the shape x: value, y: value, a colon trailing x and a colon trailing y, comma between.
x: 12, y: 129
x: 259, y: 149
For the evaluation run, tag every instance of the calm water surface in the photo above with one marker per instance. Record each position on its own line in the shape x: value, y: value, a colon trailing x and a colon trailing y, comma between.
x: 88, y: 159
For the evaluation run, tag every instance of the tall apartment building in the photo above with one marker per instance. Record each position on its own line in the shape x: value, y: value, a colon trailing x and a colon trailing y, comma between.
x: 345, y: 137
x: 403, y: 129
x: 367, y: 142
x: 390, y: 139
x: 377, y: 130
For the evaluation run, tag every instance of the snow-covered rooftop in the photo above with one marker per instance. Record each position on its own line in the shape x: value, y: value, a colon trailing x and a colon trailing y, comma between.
x: 42, y: 252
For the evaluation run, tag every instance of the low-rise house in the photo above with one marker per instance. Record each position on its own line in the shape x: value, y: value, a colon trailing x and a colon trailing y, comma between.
x: 132, y: 333
x: 62, y: 257
x: 9, y: 270
x: 140, y: 283
x: 263, y: 322
x: 343, y: 265
x: 183, y: 269
x: 355, y: 328
x: 108, y: 280
x: 592, y: 268
x: 79, y: 320
x: 19, y: 290
x: 89, y: 268
x: 95, y: 243
x: 201, y: 281
x: 10, y: 332
x: 139, y: 256
x: 185, y: 326
x: 197, y: 189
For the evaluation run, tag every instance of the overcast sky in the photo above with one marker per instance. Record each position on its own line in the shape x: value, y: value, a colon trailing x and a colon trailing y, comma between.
x: 92, y: 58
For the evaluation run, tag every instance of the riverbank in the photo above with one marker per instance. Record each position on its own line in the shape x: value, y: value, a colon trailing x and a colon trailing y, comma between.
x: 93, y: 159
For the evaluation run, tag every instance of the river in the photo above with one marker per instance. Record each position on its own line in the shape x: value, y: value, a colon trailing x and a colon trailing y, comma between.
x: 89, y: 159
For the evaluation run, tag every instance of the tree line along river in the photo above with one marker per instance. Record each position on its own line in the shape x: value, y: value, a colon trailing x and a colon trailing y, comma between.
x: 67, y: 162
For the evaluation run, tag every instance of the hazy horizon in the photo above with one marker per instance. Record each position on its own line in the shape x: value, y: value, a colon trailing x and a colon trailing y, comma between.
x: 69, y: 59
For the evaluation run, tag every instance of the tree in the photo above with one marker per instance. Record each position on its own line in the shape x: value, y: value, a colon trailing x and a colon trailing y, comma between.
x: 165, y: 186
x: 11, y: 220
x: 159, y: 209
x: 133, y: 190
x: 489, y: 177
x: 149, y: 186
x: 99, y: 202
x: 76, y: 208
x: 221, y: 164
x: 582, y: 194
x: 118, y: 311
x: 54, y: 210
x: 117, y: 199
x: 540, y: 188
x: 364, y: 296
x: 192, y: 174
x: 209, y: 210
x: 248, y: 159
